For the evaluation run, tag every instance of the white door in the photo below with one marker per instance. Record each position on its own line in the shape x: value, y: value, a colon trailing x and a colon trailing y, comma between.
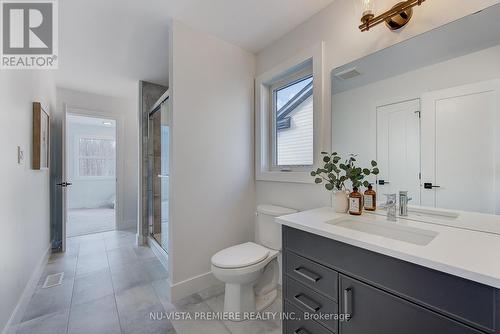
x: 460, y: 146
x: 398, y: 148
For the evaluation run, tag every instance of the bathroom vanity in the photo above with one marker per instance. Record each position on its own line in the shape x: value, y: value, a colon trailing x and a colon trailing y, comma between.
x: 390, y: 278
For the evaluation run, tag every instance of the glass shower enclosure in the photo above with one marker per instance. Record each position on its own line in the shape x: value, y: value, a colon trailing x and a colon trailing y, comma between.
x: 159, y: 125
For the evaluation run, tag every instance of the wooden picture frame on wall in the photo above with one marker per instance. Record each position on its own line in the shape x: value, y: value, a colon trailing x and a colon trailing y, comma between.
x: 41, y: 137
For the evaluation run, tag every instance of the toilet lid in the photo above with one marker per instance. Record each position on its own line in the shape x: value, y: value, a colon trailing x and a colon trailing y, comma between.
x: 239, y: 256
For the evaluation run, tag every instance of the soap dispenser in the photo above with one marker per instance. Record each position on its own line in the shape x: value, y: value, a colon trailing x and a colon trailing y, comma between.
x: 355, y: 202
x: 370, y: 199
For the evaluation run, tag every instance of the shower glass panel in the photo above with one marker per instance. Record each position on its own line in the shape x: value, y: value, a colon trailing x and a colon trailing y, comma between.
x: 158, y: 174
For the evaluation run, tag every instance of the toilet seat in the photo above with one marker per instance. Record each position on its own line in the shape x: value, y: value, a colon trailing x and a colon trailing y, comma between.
x: 240, y: 256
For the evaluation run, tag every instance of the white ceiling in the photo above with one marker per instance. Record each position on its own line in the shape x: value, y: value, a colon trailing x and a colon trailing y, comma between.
x: 106, y: 46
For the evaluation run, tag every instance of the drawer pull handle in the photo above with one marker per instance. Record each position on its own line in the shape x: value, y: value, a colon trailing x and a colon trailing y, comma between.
x: 307, y: 302
x: 301, y: 331
x: 348, y: 303
x: 307, y: 274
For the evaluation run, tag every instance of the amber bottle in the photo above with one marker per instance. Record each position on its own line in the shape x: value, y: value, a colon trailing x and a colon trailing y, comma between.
x: 355, y: 202
x: 370, y: 199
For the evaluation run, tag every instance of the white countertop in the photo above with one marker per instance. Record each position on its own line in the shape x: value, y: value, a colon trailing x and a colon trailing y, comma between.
x: 464, y: 253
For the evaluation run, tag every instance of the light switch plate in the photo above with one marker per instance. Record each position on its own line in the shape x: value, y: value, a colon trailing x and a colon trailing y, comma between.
x: 20, y: 156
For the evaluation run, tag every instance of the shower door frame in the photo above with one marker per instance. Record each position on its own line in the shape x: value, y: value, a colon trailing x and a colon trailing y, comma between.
x: 156, y: 246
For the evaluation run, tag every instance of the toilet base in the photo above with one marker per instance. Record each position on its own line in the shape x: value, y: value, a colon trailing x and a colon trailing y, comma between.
x: 239, y: 299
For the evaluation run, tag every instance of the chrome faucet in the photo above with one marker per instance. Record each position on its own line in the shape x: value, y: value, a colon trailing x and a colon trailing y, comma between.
x: 390, y: 205
x: 403, y: 203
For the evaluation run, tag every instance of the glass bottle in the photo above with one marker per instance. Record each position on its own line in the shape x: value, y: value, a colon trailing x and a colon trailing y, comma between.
x: 370, y: 199
x: 355, y: 202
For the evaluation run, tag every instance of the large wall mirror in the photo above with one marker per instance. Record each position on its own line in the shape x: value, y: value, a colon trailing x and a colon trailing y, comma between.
x: 428, y: 110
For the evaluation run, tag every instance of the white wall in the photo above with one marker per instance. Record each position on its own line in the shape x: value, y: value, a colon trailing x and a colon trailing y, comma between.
x: 337, y: 26
x: 125, y: 112
x: 212, y: 187
x: 87, y: 192
x: 24, y: 193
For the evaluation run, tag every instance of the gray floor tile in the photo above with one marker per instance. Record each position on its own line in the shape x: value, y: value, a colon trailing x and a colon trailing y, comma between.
x: 212, y: 291
x: 155, y: 269
x: 130, y: 276
x: 55, y: 323
x: 96, y: 317
x: 144, y: 252
x: 136, y: 298
x: 92, y: 262
x: 121, y: 255
x: 119, y: 241
x: 140, y: 311
x: 92, y: 286
x: 162, y: 290
x: 92, y: 247
x: 191, y: 326
x: 148, y: 320
x: 62, y: 265
x: 51, y: 300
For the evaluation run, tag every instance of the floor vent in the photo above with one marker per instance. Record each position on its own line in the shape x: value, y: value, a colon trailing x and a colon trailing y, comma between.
x: 53, y: 280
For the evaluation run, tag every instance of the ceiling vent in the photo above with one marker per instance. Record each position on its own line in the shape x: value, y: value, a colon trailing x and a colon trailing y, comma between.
x: 348, y: 74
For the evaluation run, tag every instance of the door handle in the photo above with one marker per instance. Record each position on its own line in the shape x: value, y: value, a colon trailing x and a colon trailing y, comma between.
x: 64, y: 184
x: 307, y: 302
x: 429, y: 185
x: 382, y: 182
x: 301, y: 331
x: 348, y: 303
x: 307, y: 274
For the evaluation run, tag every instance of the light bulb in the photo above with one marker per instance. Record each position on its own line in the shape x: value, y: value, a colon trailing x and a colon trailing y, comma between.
x: 367, y: 9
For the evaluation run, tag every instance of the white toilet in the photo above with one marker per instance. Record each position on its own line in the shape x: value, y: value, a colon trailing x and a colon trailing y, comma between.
x: 250, y: 270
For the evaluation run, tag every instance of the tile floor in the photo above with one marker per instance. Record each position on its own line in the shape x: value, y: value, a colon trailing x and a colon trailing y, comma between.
x: 112, y: 286
x: 87, y: 221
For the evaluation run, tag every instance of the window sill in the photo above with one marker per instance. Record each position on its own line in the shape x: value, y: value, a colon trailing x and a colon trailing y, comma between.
x: 291, y: 177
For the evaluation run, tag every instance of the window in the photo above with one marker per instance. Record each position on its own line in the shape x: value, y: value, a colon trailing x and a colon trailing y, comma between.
x: 292, y: 125
x: 96, y: 157
x: 293, y: 122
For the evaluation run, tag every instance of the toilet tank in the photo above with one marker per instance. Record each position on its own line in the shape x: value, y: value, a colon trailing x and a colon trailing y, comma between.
x: 267, y: 231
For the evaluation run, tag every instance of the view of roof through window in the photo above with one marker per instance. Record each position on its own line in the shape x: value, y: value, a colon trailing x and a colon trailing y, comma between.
x: 286, y: 94
x: 294, y: 124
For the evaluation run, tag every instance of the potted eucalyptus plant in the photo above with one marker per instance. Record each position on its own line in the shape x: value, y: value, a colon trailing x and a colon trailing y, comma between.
x: 334, y: 174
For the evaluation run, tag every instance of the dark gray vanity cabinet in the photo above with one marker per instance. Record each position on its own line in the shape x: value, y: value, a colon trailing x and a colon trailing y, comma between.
x: 382, y: 294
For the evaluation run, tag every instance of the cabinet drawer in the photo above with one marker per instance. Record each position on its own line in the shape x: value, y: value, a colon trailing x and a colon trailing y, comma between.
x: 299, y: 325
x: 319, y: 307
x: 375, y: 311
x: 315, y: 276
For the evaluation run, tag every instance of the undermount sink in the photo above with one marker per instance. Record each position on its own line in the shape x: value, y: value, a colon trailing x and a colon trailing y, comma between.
x: 389, y: 230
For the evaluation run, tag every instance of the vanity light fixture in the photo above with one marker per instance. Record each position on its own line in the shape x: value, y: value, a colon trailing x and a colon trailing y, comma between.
x: 395, y: 18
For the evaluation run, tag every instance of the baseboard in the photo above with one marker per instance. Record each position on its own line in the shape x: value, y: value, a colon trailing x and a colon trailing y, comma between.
x: 140, y: 240
x: 192, y: 285
x: 160, y: 253
x: 29, y: 289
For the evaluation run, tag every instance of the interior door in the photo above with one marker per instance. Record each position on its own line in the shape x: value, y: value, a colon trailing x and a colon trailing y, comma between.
x: 460, y: 148
x: 398, y: 148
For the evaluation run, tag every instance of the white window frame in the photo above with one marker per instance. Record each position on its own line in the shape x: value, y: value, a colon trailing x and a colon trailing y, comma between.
x: 77, y: 158
x: 265, y: 169
x: 302, y: 74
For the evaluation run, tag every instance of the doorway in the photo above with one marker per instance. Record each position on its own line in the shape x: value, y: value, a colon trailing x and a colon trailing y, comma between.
x: 398, y: 148
x: 90, y: 163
